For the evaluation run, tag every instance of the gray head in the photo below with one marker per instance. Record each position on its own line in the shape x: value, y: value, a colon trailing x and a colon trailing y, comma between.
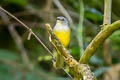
x: 62, y: 20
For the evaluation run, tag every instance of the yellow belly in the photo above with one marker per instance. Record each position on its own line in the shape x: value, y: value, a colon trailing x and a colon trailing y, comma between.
x: 63, y: 36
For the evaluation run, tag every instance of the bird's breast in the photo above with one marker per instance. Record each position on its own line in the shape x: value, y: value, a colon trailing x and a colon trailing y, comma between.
x: 63, y: 36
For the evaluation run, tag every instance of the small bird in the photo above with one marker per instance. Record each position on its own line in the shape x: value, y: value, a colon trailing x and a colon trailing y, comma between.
x: 62, y: 31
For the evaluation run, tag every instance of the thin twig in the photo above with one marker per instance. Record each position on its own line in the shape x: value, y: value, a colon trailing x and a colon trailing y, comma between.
x: 67, y: 74
x: 80, y: 27
x: 107, y: 12
x: 107, y: 20
x: 14, y: 17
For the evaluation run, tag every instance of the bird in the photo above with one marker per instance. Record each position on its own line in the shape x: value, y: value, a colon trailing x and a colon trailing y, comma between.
x: 62, y: 32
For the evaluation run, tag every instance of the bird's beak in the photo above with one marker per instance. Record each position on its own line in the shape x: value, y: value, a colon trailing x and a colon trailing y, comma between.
x: 59, y: 22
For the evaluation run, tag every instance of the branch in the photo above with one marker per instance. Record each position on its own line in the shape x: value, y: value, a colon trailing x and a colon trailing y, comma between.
x: 98, y: 40
x: 75, y: 67
x: 107, y: 20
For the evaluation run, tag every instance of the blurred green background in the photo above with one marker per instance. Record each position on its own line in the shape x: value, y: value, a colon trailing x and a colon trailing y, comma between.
x: 19, y: 55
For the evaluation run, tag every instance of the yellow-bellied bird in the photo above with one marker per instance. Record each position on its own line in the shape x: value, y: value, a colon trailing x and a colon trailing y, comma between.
x: 62, y: 31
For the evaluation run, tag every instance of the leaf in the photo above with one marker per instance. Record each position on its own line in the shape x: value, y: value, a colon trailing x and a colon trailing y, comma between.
x: 93, y: 14
x: 16, y: 2
x: 74, y: 50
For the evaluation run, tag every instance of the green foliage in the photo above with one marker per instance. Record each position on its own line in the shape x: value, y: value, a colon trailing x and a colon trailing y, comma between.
x: 16, y: 2
x: 5, y: 72
x: 75, y: 52
x: 115, y: 40
x: 115, y: 37
x: 5, y: 54
x: 93, y: 14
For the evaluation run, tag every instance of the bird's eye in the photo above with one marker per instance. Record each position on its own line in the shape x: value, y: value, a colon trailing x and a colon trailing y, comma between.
x: 62, y: 19
x: 58, y: 18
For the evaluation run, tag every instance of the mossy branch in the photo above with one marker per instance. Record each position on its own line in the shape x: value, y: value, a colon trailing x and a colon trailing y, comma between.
x: 79, y: 70
x: 105, y: 32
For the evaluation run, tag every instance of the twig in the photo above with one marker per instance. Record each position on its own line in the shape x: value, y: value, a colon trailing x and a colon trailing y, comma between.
x: 107, y: 20
x: 14, y: 17
x: 80, y: 27
x: 98, y: 40
x: 107, y: 12
x: 29, y: 35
